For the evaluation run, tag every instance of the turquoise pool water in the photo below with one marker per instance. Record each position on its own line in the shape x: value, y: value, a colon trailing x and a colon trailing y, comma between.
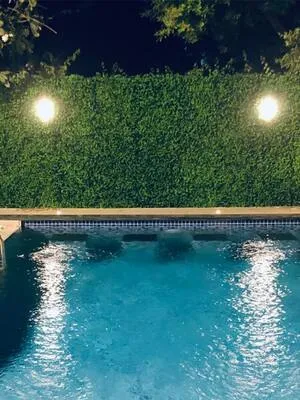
x: 101, y: 318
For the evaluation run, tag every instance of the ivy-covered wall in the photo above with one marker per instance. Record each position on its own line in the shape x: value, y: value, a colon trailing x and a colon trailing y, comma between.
x: 154, y: 140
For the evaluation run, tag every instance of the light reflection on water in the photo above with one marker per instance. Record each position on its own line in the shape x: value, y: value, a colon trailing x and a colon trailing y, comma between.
x: 259, y: 340
x: 50, y: 319
x: 48, y: 362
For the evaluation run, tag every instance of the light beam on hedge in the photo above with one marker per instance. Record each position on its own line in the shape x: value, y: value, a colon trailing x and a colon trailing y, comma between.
x: 44, y: 109
x: 267, y: 108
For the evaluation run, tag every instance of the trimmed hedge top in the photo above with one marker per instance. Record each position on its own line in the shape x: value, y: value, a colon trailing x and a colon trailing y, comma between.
x: 153, y: 140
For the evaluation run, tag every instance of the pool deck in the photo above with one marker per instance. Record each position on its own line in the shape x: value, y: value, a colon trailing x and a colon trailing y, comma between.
x: 31, y: 214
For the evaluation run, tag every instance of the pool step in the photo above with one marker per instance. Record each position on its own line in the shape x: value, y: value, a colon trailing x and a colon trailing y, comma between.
x: 139, y: 237
x: 296, y: 234
x: 278, y: 236
x: 211, y: 237
x: 7, y: 228
x: 69, y: 237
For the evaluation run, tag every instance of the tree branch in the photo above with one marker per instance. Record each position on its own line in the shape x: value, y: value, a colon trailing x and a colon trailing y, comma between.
x: 26, y: 18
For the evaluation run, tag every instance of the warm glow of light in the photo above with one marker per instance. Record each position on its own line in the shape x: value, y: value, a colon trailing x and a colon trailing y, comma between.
x: 5, y: 37
x: 45, y: 109
x: 267, y: 108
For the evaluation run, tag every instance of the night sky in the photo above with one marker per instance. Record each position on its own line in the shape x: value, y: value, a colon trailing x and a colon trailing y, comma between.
x: 110, y: 32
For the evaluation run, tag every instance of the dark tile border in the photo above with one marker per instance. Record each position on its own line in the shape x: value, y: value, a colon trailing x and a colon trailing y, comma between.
x: 161, y: 224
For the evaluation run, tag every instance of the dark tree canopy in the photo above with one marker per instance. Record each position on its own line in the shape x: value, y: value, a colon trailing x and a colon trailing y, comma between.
x: 290, y: 61
x: 237, y: 30
x: 20, y: 24
x: 239, y: 34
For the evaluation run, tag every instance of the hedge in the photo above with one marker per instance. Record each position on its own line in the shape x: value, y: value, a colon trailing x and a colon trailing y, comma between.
x: 153, y: 140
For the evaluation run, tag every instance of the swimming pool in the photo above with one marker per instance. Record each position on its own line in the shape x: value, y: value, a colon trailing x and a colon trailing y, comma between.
x: 159, y: 315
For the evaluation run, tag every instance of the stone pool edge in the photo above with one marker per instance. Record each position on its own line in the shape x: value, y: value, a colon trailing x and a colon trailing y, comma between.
x: 75, y: 214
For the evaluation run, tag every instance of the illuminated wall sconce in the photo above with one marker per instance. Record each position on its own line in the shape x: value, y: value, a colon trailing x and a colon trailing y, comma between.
x: 44, y: 109
x: 267, y: 108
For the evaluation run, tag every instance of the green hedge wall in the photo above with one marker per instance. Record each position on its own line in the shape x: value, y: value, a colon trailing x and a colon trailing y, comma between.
x: 153, y: 140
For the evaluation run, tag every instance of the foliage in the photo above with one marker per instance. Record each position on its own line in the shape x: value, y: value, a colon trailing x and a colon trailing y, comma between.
x: 190, y: 19
x: 56, y: 68
x: 20, y: 23
x: 153, y: 140
x: 290, y: 61
x: 234, y: 27
x: 186, y: 18
x: 44, y: 69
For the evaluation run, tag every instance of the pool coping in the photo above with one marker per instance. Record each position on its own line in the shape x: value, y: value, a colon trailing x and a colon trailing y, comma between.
x: 75, y: 214
x: 8, y: 228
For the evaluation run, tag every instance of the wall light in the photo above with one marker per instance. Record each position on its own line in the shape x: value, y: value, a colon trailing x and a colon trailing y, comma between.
x: 267, y: 108
x: 44, y: 109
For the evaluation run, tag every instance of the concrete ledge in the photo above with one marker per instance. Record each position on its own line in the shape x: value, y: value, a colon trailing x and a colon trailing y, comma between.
x: 34, y: 214
x: 8, y: 228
